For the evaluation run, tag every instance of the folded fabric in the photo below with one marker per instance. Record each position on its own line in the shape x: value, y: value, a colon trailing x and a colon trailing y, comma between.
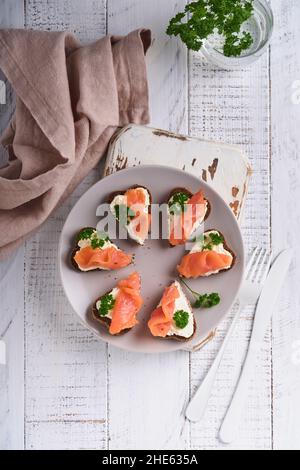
x: 69, y: 101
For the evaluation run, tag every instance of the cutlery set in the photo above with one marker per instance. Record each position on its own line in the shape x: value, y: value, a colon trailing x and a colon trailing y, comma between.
x: 261, y: 284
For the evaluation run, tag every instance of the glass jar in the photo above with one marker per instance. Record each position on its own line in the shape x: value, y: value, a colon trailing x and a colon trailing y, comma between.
x: 260, y: 25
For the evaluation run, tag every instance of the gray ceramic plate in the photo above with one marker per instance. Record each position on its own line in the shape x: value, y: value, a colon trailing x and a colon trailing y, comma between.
x: 156, y: 261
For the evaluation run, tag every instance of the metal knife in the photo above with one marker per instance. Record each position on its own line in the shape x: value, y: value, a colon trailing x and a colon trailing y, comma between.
x: 264, y: 311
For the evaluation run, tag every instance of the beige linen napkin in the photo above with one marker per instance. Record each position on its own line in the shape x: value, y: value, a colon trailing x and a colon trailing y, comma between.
x: 70, y: 99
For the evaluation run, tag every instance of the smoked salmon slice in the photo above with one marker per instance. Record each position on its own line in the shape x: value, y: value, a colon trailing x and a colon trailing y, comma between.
x: 128, y: 302
x: 110, y: 258
x: 173, y: 318
x: 94, y: 250
x: 202, y: 263
x: 184, y: 222
x: 161, y: 318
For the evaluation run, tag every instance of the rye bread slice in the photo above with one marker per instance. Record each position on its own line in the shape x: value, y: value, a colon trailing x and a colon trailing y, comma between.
x: 227, y: 248
x: 121, y: 193
x: 189, y: 194
x: 76, y: 248
x: 182, y: 339
x: 105, y: 321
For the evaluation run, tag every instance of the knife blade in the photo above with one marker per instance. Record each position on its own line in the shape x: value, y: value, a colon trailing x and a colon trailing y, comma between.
x: 269, y: 295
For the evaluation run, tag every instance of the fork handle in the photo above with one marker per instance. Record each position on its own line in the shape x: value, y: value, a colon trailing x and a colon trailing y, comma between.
x: 197, y: 406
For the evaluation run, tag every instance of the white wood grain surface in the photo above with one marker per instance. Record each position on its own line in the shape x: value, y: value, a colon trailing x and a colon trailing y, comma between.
x: 62, y: 389
x: 11, y: 290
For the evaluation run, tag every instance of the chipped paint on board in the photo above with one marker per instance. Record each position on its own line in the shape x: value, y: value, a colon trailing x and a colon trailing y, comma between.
x: 135, y: 144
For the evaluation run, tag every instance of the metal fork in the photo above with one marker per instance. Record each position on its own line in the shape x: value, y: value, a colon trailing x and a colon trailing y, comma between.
x: 255, y: 275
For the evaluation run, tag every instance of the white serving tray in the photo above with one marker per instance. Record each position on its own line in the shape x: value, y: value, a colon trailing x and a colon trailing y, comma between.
x: 224, y: 167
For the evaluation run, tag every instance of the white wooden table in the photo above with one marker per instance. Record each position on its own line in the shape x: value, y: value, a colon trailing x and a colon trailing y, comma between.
x: 62, y: 388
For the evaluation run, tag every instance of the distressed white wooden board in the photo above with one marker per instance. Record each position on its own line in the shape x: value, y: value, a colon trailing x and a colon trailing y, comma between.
x: 147, y: 395
x: 66, y: 367
x: 285, y: 94
x: 224, y: 167
x: 12, y: 291
x: 234, y: 107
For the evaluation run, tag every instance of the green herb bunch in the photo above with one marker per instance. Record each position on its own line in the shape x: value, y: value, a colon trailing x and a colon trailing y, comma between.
x: 203, y: 18
x: 203, y: 300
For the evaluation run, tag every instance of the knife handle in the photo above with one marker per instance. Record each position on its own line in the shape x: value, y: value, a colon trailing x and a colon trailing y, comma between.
x: 232, y: 418
x: 198, y: 404
x: 2, y: 352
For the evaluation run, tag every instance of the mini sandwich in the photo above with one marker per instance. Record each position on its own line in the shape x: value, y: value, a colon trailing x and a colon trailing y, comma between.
x: 209, y: 255
x: 173, y: 318
x: 94, y: 250
x: 132, y: 209
x: 186, y: 212
x: 117, y: 310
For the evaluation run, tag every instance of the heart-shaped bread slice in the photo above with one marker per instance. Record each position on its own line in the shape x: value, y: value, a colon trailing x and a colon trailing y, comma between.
x: 186, y: 212
x: 95, y: 251
x: 209, y: 255
x: 117, y: 310
x: 173, y: 318
x: 132, y: 209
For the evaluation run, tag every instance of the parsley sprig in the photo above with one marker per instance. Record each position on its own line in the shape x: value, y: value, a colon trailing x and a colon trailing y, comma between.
x: 207, y: 300
x: 178, y: 203
x: 206, y: 17
x: 216, y: 238
x: 86, y: 233
x: 97, y: 239
x: 107, y: 304
x: 203, y: 300
x: 181, y: 319
x: 98, y: 242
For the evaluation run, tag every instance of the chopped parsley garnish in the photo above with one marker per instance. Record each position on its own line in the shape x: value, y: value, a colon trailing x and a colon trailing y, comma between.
x: 181, y: 318
x: 97, y: 239
x: 203, y: 18
x: 124, y: 214
x: 203, y: 300
x: 86, y: 233
x: 98, y: 242
x: 107, y: 303
x: 211, y: 240
x: 216, y: 238
x: 207, y: 300
x: 208, y: 247
x: 178, y: 203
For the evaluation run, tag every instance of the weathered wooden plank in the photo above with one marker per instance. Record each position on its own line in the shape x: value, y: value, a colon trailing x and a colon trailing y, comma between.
x: 12, y: 332
x: 285, y: 105
x: 11, y: 286
x: 87, y: 20
x: 233, y: 107
x: 147, y: 394
x: 66, y: 366
x: 166, y: 59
